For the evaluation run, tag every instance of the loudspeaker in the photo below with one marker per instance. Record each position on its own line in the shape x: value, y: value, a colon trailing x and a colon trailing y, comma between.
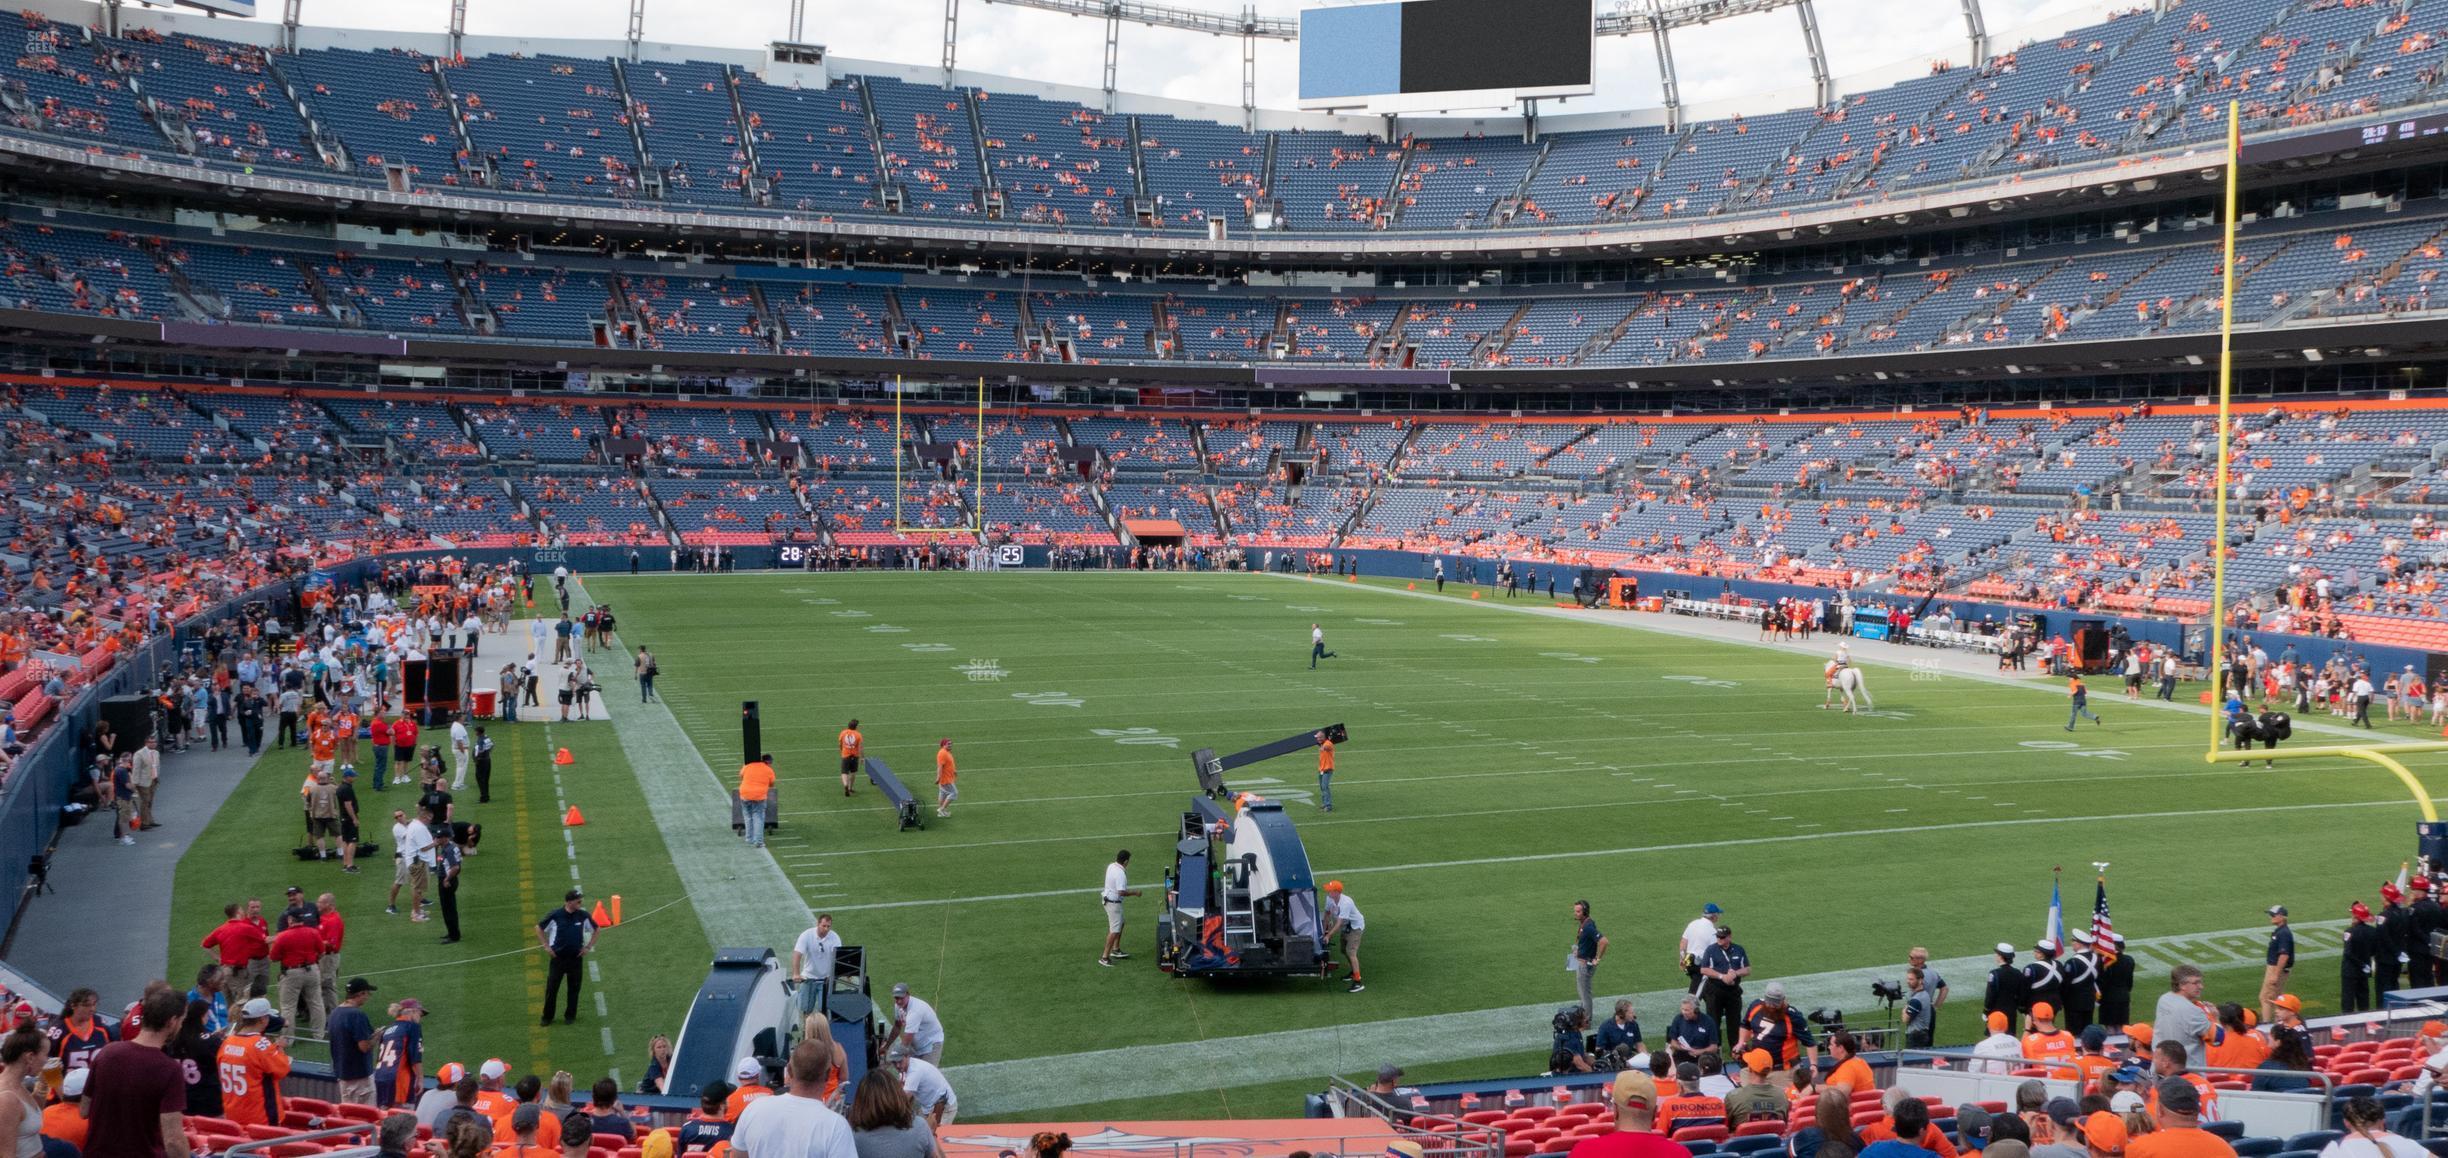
x: 751, y: 736
x: 131, y: 717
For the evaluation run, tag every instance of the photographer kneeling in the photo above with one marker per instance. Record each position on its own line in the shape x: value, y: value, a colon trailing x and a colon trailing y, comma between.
x: 1570, y: 1053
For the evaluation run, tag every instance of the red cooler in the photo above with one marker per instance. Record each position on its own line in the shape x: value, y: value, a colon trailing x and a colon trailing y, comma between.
x: 484, y: 704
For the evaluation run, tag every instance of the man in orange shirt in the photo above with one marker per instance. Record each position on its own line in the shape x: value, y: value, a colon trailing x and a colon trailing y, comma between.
x: 65, y: 1118
x: 1851, y: 1072
x: 1325, y: 745
x: 853, y: 746
x: 2177, y: 1111
x: 751, y: 1078
x: 756, y: 784
x: 946, y: 788
x: 2048, y: 1044
x: 2092, y: 1060
x: 252, y: 1066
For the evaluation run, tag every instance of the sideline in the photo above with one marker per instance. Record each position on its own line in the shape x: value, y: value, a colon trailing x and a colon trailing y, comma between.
x: 740, y: 894
x: 1288, y: 1055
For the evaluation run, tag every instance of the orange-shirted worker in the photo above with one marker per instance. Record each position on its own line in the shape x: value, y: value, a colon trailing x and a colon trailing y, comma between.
x: 853, y: 746
x: 2049, y: 1045
x: 946, y: 775
x: 2080, y: 697
x: 252, y: 1065
x: 1325, y: 745
x: 325, y: 746
x: 755, y: 789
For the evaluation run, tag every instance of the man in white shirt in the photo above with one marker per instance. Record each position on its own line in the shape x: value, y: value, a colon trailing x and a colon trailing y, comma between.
x: 927, y: 1087
x: 915, y: 1025
x: 1701, y: 933
x: 403, y: 830
x: 460, y: 752
x: 1117, y: 886
x: 2362, y: 698
x: 421, y: 858
x: 795, y: 1123
x: 812, y: 961
x: 2000, y: 1052
x: 1345, y: 924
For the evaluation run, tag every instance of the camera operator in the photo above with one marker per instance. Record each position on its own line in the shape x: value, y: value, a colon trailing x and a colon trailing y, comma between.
x: 1919, y: 1012
x: 1570, y: 1052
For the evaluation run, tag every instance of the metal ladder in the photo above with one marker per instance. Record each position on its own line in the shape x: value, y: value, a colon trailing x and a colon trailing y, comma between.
x: 1240, y: 921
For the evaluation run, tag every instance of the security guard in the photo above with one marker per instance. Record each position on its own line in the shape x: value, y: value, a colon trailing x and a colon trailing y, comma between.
x: 2277, y: 961
x: 568, y: 934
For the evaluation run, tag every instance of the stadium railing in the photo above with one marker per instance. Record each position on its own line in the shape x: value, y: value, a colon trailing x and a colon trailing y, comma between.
x: 1947, y: 1075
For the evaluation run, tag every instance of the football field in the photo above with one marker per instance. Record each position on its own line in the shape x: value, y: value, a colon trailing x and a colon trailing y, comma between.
x: 1500, y: 766
x: 1505, y: 759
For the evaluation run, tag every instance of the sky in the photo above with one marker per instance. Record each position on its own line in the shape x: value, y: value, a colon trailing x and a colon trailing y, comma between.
x: 1724, y: 61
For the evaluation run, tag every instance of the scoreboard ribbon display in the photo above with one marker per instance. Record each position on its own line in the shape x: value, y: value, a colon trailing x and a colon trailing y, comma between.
x: 1364, y: 54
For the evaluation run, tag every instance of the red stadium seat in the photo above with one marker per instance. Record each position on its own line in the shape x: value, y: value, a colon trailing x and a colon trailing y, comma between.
x: 1516, y: 1148
x: 295, y: 1150
x: 1699, y: 1134
x: 259, y: 1130
x: 1557, y: 1145
x: 1535, y: 1113
x: 1863, y: 1118
x: 1592, y: 1109
x: 1760, y: 1126
x: 2370, y: 1076
x: 1992, y: 1107
x: 315, y: 1106
x: 612, y: 1142
x: 1484, y: 1117
x: 349, y: 1112
x: 1535, y: 1134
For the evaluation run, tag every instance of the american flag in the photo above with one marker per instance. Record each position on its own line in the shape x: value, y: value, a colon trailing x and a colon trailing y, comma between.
x: 2101, y: 926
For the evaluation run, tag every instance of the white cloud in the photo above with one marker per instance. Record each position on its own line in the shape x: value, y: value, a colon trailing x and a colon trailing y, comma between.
x: 1726, y: 61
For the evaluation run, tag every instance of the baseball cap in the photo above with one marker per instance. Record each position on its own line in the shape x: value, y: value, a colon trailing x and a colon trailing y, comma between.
x: 412, y: 1005
x: 1711, y: 909
x: 1758, y: 1061
x: 1634, y: 1089
x: 360, y: 985
x: 2177, y: 1096
x: 494, y: 1068
x: 2105, y: 1132
x: 73, y: 1086
x: 2126, y: 1102
x: 295, y: 891
x: 2277, y: 910
x: 450, y: 1073
x: 2043, y: 1011
x: 2062, y: 1111
x: 348, y: 773
x: 748, y: 1069
x: 900, y: 989
x: 1687, y: 1072
x: 255, y: 1008
x: 1972, y: 1122
x: 526, y: 1117
x: 2140, y: 1032
x: 1997, y: 1023
x: 1775, y: 989
x: 2094, y: 1036
x: 2126, y: 1075
x: 573, y: 894
x: 1334, y: 886
x: 1388, y: 1072
x: 1404, y: 1148
x: 2289, y: 1002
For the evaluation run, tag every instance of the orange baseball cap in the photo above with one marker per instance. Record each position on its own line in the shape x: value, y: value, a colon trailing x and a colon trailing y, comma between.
x: 450, y: 1073
x: 1997, y: 1023
x: 2140, y: 1032
x: 2434, y: 1029
x: 2043, y: 1011
x: 2105, y: 1132
x: 1758, y: 1060
x: 2289, y: 1002
x: 1334, y: 886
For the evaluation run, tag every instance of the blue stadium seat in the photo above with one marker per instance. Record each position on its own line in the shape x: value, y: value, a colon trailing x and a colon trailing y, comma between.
x: 2257, y: 1147
x: 2313, y: 1140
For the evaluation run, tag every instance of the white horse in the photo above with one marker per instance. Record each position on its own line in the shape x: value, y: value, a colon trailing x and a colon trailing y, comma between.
x: 1850, y: 682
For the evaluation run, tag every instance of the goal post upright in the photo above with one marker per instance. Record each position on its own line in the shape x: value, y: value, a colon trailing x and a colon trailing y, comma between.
x: 900, y: 447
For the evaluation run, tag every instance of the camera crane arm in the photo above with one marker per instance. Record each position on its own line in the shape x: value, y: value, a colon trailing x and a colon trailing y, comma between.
x: 1210, y: 768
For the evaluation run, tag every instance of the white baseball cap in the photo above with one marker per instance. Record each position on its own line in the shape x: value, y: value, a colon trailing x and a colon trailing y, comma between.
x: 73, y: 1086
x: 748, y: 1069
x: 494, y: 1068
x: 255, y: 1008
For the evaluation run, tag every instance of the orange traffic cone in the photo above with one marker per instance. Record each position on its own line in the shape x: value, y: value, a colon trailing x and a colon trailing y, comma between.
x: 1474, y: 595
x: 574, y: 818
x: 1410, y: 586
x: 603, y: 920
x: 562, y: 757
x: 616, y: 918
x: 1351, y: 578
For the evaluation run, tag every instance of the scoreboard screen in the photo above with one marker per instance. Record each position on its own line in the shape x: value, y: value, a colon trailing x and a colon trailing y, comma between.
x: 1431, y: 54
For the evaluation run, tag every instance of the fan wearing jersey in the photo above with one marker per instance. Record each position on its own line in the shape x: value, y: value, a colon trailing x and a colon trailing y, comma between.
x: 78, y: 1035
x: 252, y: 1064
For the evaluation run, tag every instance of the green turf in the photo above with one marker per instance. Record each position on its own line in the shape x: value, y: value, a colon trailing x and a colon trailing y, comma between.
x: 484, y: 992
x: 1500, y: 766
x: 1112, y: 679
